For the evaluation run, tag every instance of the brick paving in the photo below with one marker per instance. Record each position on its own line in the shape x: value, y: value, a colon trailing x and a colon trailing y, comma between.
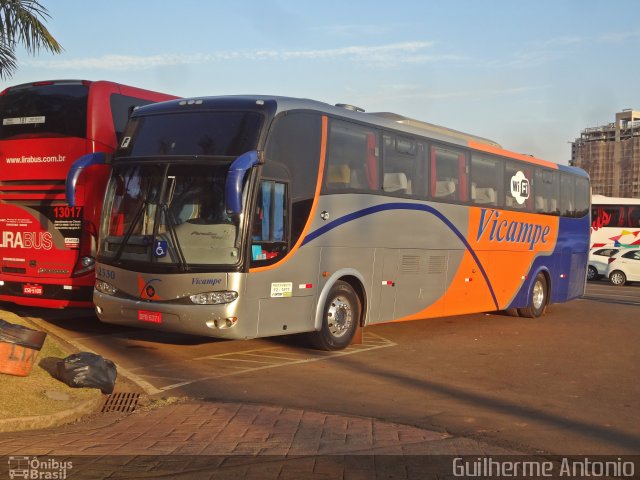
x: 198, y: 439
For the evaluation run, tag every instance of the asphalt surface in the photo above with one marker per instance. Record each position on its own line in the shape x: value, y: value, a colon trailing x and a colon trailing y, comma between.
x: 564, y: 384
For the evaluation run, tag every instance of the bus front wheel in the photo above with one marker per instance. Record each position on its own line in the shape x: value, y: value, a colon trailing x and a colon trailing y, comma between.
x: 340, y: 318
x: 538, y: 299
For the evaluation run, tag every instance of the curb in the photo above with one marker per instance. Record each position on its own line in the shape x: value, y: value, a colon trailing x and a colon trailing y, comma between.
x: 52, y: 420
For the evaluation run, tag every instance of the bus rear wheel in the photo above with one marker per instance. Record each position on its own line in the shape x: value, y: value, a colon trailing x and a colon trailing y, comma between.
x: 340, y: 318
x: 538, y: 299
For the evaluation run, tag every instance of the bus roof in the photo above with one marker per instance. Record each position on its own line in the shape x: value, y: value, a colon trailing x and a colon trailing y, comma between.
x: 277, y: 104
x: 603, y: 200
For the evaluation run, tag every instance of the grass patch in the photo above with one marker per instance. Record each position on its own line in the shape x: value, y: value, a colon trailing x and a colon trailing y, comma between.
x: 39, y: 393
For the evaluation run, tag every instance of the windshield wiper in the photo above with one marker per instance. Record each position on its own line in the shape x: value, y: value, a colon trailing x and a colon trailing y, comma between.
x: 129, y: 232
x: 182, y: 261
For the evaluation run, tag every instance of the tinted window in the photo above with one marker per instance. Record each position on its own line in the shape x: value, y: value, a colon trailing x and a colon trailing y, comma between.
x: 448, y: 174
x: 44, y: 111
x: 607, y: 216
x: 606, y: 252
x: 567, y: 196
x: 547, y: 185
x: 400, y: 163
x: 352, y: 157
x: 293, y: 154
x: 518, y: 194
x: 633, y: 255
x: 121, y: 108
x: 195, y: 133
x: 583, y: 197
x: 486, y: 179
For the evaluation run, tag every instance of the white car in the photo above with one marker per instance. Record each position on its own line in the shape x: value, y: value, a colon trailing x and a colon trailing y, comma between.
x: 598, y: 262
x: 624, y: 266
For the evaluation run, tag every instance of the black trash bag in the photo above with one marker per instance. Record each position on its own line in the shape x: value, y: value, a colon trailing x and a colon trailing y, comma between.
x: 20, y: 335
x: 87, y: 370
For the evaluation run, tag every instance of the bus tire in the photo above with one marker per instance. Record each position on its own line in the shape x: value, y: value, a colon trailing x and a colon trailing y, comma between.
x: 538, y: 299
x: 340, y: 318
x: 617, y: 278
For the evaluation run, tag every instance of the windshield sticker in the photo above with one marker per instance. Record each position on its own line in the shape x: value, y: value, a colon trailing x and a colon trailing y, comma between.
x: 23, y: 120
x: 281, y: 289
x: 520, y: 187
x: 160, y: 248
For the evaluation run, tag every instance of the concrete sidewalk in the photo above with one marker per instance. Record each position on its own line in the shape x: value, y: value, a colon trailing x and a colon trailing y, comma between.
x: 239, y: 440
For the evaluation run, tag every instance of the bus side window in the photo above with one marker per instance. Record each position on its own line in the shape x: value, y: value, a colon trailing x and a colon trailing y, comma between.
x: 546, y: 185
x: 352, y: 157
x: 399, y: 164
x: 269, y: 231
x: 583, y: 197
x: 567, y: 196
x: 448, y: 174
x: 518, y: 193
x: 486, y: 179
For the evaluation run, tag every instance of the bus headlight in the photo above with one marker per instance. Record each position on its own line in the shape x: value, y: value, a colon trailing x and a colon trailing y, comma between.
x: 84, y: 265
x: 106, y: 288
x: 214, y: 298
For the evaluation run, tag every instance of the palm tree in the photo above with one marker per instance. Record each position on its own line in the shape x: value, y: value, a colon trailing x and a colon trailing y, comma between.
x: 21, y: 22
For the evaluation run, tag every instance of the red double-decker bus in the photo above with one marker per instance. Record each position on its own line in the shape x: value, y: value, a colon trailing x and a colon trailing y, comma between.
x: 47, y: 247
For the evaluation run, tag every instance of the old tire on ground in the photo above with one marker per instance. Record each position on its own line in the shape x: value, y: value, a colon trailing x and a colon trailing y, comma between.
x: 538, y: 299
x: 340, y: 318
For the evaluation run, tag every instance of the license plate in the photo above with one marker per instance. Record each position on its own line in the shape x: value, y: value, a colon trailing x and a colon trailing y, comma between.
x: 151, y: 317
x: 32, y: 289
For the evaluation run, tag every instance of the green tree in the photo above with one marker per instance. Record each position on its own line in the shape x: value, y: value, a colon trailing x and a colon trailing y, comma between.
x: 21, y: 22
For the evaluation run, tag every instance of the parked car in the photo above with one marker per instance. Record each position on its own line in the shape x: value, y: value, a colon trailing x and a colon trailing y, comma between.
x: 598, y: 261
x: 624, y: 266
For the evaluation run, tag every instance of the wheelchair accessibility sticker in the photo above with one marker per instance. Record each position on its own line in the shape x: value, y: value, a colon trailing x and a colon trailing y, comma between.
x: 160, y: 248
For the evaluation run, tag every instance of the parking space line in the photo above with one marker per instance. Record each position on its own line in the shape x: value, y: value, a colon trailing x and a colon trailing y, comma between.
x: 372, y: 344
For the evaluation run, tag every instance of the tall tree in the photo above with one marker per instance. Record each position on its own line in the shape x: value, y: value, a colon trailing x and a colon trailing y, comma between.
x: 21, y: 22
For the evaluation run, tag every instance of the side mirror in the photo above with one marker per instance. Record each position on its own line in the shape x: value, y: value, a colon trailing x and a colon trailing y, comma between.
x: 97, y: 158
x: 235, y: 177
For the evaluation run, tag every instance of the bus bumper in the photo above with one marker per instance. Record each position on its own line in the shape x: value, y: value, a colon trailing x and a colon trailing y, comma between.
x: 46, y: 295
x: 218, y: 321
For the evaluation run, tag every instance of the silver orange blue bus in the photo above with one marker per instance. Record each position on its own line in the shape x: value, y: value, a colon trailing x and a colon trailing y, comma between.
x: 251, y: 216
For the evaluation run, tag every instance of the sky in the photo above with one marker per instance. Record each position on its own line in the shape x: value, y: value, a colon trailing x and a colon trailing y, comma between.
x: 528, y: 74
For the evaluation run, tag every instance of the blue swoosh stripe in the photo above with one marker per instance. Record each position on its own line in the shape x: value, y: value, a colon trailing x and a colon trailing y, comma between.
x: 403, y: 206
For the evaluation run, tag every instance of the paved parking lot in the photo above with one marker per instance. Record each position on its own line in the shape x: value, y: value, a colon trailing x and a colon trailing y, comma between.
x: 565, y: 383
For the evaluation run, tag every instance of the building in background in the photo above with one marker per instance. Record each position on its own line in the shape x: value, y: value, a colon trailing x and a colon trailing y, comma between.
x: 611, y: 155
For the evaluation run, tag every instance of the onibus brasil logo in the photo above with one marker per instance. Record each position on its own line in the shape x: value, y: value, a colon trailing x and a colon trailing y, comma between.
x: 34, y: 468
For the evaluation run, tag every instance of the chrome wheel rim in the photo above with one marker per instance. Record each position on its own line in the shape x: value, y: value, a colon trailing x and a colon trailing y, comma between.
x: 617, y: 278
x: 538, y: 295
x: 339, y: 317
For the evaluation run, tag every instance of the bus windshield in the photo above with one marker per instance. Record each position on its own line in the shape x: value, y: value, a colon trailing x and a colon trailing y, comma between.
x: 48, y: 110
x: 217, y: 133
x: 170, y: 214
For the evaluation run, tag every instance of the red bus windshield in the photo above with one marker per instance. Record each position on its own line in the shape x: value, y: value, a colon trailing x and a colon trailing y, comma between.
x: 49, y: 110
